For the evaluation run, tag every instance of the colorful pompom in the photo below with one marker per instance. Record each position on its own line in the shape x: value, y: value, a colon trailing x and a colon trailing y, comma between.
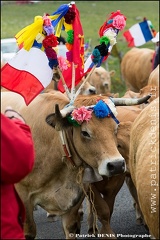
x: 53, y: 63
x: 70, y: 37
x: 101, y: 109
x: 103, y: 49
x: 69, y: 56
x: 70, y: 16
x: 96, y: 56
x: 69, y: 46
x: 62, y: 63
x: 119, y: 22
x: 46, y: 20
x: 50, y: 41
x: 105, y: 40
x: 51, y: 54
x: 81, y: 114
x: 72, y: 121
x: 48, y: 29
x: 111, y: 34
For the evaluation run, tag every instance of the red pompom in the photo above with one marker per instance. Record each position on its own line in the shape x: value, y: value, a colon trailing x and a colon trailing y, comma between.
x: 70, y: 16
x: 51, y: 53
x: 50, y: 41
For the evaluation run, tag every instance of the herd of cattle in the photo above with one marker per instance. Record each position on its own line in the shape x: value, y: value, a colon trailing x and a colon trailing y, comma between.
x: 102, y: 154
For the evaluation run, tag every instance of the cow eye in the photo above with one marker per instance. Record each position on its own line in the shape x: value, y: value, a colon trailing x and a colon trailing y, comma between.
x: 119, y: 146
x: 85, y: 134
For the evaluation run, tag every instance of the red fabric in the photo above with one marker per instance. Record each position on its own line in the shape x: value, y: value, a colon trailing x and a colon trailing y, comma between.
x: 129, y: 38
x: 17, y: 159
x: 23, y: 82
x: 107, y: 25
x: 78, y: 55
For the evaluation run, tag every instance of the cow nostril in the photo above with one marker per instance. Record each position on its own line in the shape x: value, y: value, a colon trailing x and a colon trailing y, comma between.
x: 92, y: 91
x: 116, y: 167
x: 123, y: 166
x: 110, y: 167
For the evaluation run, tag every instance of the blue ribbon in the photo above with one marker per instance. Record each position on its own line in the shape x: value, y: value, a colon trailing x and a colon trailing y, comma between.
x: 62, y: 10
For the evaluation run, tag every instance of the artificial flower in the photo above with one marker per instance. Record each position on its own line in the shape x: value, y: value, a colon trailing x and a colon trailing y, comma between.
x: 70, y: 37
x: 69, y: 56
x: 101, y: 109
x: 111, y: 34
x: 96, y: 56
x: 103, y: 49
x: 70, y: 16
x: 50, y: 41
x: 81, y: 114
x: 46, y: 21
x: 48, y: 29
x: 68, y: 46
x: 119, y: 22
x: 51, y: 53
x: 62, y: 63
x: 104, y: 39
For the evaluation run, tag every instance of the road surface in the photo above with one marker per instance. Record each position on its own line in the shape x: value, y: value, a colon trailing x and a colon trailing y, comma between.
x: 123, y: 221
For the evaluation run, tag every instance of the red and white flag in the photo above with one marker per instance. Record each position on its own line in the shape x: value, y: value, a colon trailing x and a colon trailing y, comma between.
x: 27, y: 73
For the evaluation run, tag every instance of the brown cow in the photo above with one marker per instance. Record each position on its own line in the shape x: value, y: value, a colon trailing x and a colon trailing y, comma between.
x: 126, y: 116
x: 54, y: 183
x: 101, y: 80
x: 87, y: 89
x: 52, y: 178
x: 154, y: 77
x: 136, y: 67
x: 144, y: 164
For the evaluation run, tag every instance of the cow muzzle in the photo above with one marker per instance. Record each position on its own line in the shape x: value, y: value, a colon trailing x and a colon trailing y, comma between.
x: 116, y: 167
x: 111, y: 168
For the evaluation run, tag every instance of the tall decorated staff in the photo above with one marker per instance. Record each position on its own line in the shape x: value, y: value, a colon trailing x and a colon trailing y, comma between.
x: 108, y: 33
x: 33, y: 65
x: 74, y: 71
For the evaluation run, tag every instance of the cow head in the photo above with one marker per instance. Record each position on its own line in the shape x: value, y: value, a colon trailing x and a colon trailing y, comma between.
x: 93, y: 132
x: 101, y: 79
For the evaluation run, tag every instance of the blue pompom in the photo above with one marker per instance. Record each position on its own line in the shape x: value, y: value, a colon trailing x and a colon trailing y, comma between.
x: 96, y: 56
x: 101, y: 109
x: 110, y: 21
x: 53, y: 63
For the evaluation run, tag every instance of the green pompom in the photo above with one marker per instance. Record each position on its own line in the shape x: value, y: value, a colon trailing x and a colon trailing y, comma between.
x: 105, y: 40
x: 72, y: 121
x: 70, y: 37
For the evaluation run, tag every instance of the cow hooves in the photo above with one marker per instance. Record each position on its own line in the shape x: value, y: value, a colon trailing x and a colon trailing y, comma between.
x: 139, y: 221
x: 90, y: 231
x: 52, y: 218
x: 29, y: 237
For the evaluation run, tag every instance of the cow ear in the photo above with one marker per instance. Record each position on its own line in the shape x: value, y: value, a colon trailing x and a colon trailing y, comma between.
x: 51, y: 120
x: 97, y: 73
x: 112, y: 73
x: 57, y: 120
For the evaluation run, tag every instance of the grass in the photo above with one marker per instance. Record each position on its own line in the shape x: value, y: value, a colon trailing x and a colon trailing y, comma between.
x: 93, y: 14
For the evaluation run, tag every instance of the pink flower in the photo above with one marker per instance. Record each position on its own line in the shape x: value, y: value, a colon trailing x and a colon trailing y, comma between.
x: 62, y: 63
x: 46, y: 21
x: 119, y: 22
x: 82, y: 114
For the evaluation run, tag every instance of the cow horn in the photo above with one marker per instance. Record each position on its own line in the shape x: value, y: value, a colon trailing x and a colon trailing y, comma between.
x: 129, y: 101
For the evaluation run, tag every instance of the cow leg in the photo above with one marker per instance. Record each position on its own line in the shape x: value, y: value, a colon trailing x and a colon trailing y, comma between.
x: 72, y: 221
x: 103, y: 213
x: 29, y: 224
x: 133, y: 192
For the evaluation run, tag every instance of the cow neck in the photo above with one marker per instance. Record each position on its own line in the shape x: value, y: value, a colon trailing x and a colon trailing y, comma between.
x: 66, y: 149
x: 78, y: 161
